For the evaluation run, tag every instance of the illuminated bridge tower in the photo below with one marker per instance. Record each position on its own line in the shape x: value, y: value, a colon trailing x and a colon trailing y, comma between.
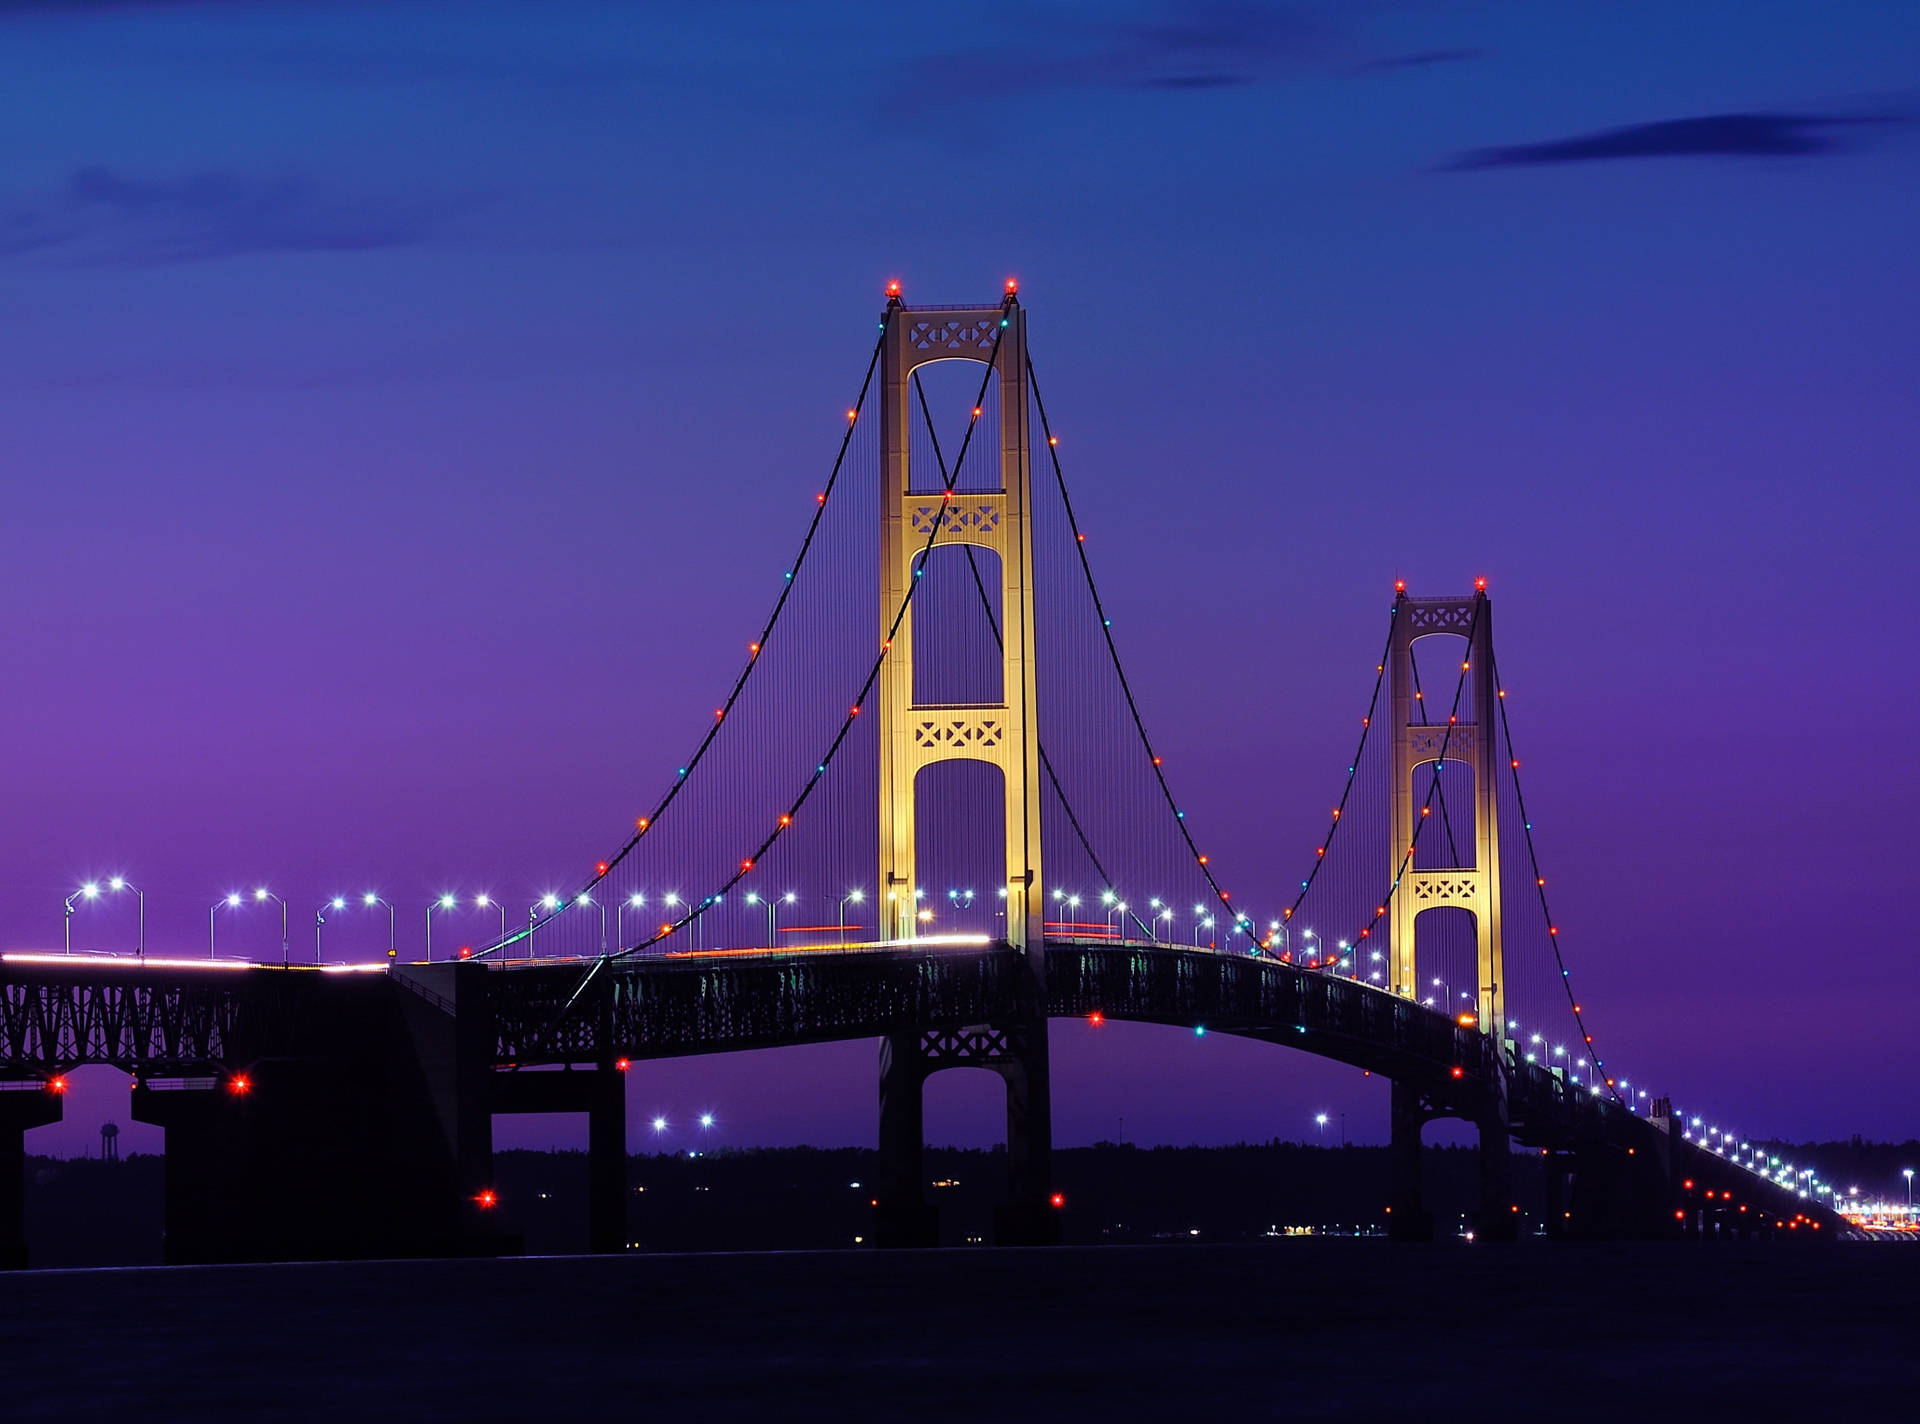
x: 1429, y: 884
x: 1003, y: 734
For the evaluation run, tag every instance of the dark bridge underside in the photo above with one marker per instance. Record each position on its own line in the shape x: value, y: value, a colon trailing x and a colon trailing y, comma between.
x: 181, y: 1023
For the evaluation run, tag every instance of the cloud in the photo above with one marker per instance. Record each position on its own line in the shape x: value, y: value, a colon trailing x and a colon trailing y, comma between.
x: 1418, y: 59
x: 1209, y: 46
x: 1711, y: 136
x: 104, y: 216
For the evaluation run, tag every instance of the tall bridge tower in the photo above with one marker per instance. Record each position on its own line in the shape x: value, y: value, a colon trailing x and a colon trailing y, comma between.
x: 1418, y: 741
x: 1003, y: 734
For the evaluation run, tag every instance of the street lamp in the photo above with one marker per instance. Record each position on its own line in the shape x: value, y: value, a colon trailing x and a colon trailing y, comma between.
x: 370, y: 900
x: 485, y: 902
x: 588, y: 900
x: 89, y: 891
x: 960, y: 899
x: 338, y: 902
x: 548, y: 902
x: 232, y: 902
x: 852, y: 897
x: 262, y: 895
x: 1907, y: 1172
x: 1320, y: 1122
x: 635, y: 901
x: 445, y: 902
x: 118, y: 883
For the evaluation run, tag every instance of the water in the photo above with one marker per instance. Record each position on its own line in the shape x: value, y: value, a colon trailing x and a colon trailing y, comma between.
x: 1315, y: 1329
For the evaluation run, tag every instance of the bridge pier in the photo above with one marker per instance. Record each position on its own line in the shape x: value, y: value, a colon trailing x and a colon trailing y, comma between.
x: 1018, y: 1053
x: 601, y: 1094
x: 19, y: 1111
x: 1409, y: 1219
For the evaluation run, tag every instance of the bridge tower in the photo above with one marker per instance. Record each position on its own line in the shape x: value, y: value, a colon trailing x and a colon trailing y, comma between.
x: 1420, y: 735
x: 1004, y: 734
x: 1417, y: 742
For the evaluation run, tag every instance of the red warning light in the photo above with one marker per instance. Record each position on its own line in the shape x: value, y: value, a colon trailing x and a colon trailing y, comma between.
x: 599, y: 867
x: 893, y: 288
x: 1480, y: 585
x: 1096, y: 1018
x: 1459, y: 1072
x: 466, y: 951
x: 622, y: 1064
x: 485, y: 1199
x: 57, y: 1084
x: 1057, y: 1201
x: 239, y: 1085
x: 1399, y: 585
x: 1013, y: 285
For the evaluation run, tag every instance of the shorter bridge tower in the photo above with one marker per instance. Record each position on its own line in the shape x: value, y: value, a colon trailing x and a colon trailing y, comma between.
x: 1421, y: 735
x: 1424, y: 735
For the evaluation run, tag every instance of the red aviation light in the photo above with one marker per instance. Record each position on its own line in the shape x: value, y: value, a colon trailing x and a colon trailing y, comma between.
x: 1459, y: 1072
x: 1096, y: 1018
x: 239, y: 1085
x: 1399, y: 585
x: 486, y: 1199
x: 1013, y: 286
x: 622, y: 1064
x: 57, y: 1085
x: 1480, y: 585
x: 599, y: 867
x: 466, y: 951
x: 1057, y: 1200
x: 893, y: 288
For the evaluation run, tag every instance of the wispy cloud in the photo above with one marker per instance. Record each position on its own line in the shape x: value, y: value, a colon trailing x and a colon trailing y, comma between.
x: 104, y: 216
x: 1418, y: 59
x: 1209, y: 46
x: 1758, y: 135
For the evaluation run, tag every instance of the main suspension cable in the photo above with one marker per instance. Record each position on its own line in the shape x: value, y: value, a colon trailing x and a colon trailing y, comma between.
x: 754, y: 649
x: 1540, y: 886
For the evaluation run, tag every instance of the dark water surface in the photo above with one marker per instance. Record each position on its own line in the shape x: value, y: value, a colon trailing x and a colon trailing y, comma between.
x: 1317, y: 1329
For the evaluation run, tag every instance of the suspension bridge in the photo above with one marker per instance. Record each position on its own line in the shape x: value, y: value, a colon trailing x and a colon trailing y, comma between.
x: 984, y: 714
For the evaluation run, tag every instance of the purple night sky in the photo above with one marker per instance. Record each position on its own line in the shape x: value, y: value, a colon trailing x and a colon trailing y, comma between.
x: 406, y: 406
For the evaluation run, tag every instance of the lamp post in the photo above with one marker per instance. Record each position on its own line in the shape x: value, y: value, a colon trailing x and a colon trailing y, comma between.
x: 1320, y: 1122
x: 852, y: 897
x: 589, y: 900
x: 445, y: 902
x: 960, y: 899
x: 338, y: 902
x: 1907, y: 1172
x: 548, y: 902
x: 120, y: 882
x: 486, y: 902
x: 672, y: 902
x: 635, y: 901
x: 1306, y: 935
x: 370, y: 900
x: 262, y: 895
x: 232, y: 902
x: 89, y: 891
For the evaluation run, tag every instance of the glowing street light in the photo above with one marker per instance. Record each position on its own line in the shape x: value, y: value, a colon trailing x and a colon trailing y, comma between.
x: 635, y: 901
x: 89, y: 891
x: 588, y: 900
x: 852, y: 897
x: 659, y: 1125
x: 338, y: 902
x: 486, y: 902
x: 445, y: 902
x: 228, y: 902
x: 773, y: 904
x: 261, y: 896
x: 370, y: 900
x: 1907, y: 1172
x: 548, y: 902
x: 1320, y: 1122
x: 118, y: 883
x: 706, y: 1121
